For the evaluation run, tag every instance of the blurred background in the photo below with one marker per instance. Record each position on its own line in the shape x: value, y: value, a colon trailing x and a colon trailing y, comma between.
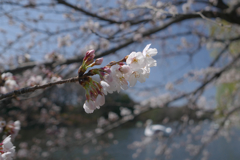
x: 193, y: 91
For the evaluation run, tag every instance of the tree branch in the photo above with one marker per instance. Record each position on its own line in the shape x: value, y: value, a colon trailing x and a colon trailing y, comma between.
x: 36, y: 87
x: 216, y: 131
x: 63, y: 2
x: 147, y: 33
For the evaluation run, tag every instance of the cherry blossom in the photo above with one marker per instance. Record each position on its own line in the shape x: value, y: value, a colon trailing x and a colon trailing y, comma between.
x: 136, y: 60
x: 7, y: 149
x: 139, y: 75
x: 148, y: 53
x: 89, y: 106
x: 116, y: 76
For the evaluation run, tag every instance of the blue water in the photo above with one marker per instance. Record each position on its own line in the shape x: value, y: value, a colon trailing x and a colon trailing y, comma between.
x: 116, y: 147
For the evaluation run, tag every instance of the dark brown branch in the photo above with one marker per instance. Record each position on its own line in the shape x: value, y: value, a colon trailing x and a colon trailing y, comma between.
x: 203, y: 85
x: 36, y: 87
x: 111, y: 21
x: 63, y: 2
x: 31, y: 89
x: 211, y: 65
x: 149, y: 32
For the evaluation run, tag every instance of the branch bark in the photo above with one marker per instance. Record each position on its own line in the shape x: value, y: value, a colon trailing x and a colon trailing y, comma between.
x: 179, y: 18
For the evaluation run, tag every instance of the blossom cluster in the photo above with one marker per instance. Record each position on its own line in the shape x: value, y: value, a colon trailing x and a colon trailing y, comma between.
x: 10, y: 82
x: 54, y: 56
x: 10, y: 128
x: 7, y: 150
x: 115, y: 76
x: 7, y: 83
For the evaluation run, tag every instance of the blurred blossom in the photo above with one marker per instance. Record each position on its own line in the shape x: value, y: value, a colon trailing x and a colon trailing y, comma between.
x: 214, y: 2
x: 173, y: 10
x: 35, y: 80
x: 89, y: 134
x: 54, y: 57
x: 110, y: 135
x: 91, y: 25
x: 159, y: 101
x: 45, y: 154
x: 12, y: 128
x: 102, y: 122
x: 230, y: 76
x: 137, y: 37
x: 99, y: 130
x: 186, y: 7
x: 159, y: 4
x: 169, y: 86
x: 2, y: 124
x: 199, y: 114
x: 202, y: 102
x: 11, y: 84
x: 197, y: 74
x: 64, y: 41
x: 212, y: 45
x: 49, y: 143
x: 23, y: 58
x: 55, y: 78
x: 112, y: 116
x: 124, y: 26
x: 185, y: 43
x: 125, y: 111
x: 104, y: 44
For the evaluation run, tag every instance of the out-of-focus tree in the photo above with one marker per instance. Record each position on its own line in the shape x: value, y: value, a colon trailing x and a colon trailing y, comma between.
x: 43, y: 42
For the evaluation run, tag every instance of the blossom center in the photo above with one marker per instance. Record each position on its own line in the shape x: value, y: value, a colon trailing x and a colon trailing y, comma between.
x: 134, y: 60
x: 136, y: 74
x: 148, y: 55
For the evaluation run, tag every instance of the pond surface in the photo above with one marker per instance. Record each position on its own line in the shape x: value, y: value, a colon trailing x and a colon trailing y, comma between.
x: 118, y: 145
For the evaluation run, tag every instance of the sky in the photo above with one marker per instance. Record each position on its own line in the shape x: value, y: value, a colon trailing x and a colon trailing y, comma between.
x: 167, y: 70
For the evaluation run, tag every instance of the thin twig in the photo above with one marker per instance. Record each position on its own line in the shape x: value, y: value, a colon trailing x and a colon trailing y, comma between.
x: 36, y: 87
x: 216, y: 131
x: 217, y: 23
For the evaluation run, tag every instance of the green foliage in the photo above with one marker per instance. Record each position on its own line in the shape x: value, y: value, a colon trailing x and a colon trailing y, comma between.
x: 234, y: 48
x: 224, y: 94
x: 225, y: 91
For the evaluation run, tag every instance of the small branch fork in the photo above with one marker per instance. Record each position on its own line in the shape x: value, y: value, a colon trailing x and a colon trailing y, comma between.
x: 213, y: 136
x: 36, y: 87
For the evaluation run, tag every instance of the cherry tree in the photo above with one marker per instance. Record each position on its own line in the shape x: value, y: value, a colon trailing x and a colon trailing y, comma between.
x: 62, y: 62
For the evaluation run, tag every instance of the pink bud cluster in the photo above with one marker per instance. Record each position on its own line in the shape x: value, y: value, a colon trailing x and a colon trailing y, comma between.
x: 88, y: 61
x: 116, y: 76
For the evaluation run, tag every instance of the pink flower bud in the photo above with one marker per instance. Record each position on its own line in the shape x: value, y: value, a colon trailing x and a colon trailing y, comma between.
x: 107, y: 69
x: 99, y: 61
x: 120, y: 63
x: 90, y: 53
x: 89, y: 56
